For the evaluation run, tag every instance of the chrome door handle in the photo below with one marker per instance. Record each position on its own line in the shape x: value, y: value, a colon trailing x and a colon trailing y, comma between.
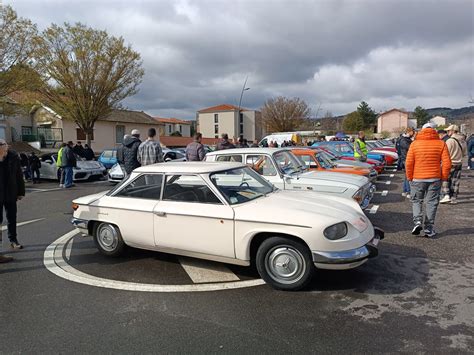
x: 160, y: 214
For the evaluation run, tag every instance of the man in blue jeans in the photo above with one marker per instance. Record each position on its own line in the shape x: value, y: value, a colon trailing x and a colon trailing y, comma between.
x: 404, y: 144
x: 69, y: 162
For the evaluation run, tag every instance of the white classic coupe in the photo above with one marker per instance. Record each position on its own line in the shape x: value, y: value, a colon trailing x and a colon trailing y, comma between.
x: 227, y: 212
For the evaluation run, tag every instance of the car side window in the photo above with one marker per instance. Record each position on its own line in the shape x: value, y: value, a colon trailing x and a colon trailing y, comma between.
x: 230, y: 157
x: 146, y: 186
x: 261, y: 164
x: 307, y: 161
x: 188, y: 188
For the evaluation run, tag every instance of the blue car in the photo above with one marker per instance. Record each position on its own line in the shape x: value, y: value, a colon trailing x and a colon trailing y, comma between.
x: 346, y: 149
x: 108, y: 157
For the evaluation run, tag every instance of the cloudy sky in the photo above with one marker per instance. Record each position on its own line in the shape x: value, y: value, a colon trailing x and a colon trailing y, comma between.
x: 333, y: 53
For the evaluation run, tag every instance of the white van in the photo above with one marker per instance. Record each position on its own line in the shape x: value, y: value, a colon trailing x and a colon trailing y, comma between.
x: 280, y: 137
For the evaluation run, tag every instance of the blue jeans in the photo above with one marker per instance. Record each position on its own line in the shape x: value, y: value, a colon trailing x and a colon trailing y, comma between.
x: 406, y: 185
x: 428, y: 192
x: 68, y: 173
x: 471, y: 161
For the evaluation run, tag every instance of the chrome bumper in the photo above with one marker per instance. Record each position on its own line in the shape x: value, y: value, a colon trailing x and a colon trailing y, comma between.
x: 369, y: 250
x: 79, y: 223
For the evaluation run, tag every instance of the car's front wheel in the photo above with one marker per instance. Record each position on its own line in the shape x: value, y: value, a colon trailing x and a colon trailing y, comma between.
x: 284, y: 263
x: 108, y: 239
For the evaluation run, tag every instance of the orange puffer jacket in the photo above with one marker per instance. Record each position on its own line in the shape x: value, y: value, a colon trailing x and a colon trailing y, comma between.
x: 428, y: 157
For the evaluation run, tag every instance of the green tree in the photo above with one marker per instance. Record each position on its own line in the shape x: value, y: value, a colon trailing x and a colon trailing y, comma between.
x: 18, y: 43
x: 353, y: 122
x: 176, y: 134
x: 421, y: 116
x: 88, y: 72
x: 368, y: 115
x: 283, y: 114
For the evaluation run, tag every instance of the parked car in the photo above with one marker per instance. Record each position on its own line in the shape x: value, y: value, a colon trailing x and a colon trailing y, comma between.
x: 342, y: 160
x: 117, y: 172
x: 347, y: 149
x: 226, y: 212
x: 318, y: 162
x: 108, y: 157
x: 283, y: 169
x: 391, y: 156
x: 85, y: 170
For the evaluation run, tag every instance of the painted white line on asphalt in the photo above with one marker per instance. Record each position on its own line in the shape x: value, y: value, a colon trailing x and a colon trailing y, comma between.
x: 55, y: 263
x: 374, y: 209
x: 388, y: 182
x: 392, y: 175
x: 384, y: 192
x: 24, y: 223
x: 203, y: 271
x: 391, y: 169
x: 68, y: 249
x: 33, y: 190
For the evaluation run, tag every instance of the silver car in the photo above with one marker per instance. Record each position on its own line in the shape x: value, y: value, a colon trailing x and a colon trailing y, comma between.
x: 85, y: 169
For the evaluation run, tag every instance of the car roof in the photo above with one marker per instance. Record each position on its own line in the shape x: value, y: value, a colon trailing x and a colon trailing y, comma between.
x: 248, y: 150
x: 196, y: 167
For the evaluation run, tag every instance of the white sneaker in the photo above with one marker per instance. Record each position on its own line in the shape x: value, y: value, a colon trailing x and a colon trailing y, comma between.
x: 408, y: 196
x: 404, y: 194
x: 445, y: 199
x: 61, y: 185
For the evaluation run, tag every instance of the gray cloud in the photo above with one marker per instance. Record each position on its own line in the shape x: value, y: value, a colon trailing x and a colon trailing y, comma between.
x: 196, y: 54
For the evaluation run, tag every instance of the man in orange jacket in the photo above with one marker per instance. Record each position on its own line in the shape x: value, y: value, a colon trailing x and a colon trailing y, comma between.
x: 427, y: 164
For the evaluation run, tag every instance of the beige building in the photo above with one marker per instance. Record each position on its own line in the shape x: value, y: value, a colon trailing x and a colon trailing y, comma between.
x: 172, y: 125
x: 394, y: 121
x: 438, y: 121
x: 213, y: 121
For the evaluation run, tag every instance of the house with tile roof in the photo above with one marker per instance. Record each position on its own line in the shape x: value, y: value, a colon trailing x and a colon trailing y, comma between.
x: 226, y: 118
x: 172, y: 125
x: 395, y: 121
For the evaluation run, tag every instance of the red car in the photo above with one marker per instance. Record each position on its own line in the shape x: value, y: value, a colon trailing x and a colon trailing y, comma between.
x: 376, y: 164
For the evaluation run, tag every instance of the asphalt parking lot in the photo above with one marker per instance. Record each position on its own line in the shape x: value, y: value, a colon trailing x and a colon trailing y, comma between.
x: 62, y: 296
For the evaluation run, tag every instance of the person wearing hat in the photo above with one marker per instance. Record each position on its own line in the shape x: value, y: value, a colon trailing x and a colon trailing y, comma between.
x: 427, y: 165
x: 12, y: 189
x: 404, y: 144
x: 443, y: 135
x: 128, y: 155
x: 457, y: 151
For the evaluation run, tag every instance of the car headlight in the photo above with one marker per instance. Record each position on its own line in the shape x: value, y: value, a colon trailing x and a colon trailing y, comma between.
x: 336, y: 231
x: 358, y: 196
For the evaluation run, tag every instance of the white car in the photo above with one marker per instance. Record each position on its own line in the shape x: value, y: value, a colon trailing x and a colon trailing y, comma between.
x: 117, y: 173
x: 85, y: 169
x: 227, y: 212
x: 284, y: 170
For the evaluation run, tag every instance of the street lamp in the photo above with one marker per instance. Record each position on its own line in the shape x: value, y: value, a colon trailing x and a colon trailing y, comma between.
x: 244, y: 88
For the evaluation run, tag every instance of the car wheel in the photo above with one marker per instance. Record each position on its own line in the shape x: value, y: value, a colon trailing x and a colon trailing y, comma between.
x: 285, y: 264
x: 108, y: 239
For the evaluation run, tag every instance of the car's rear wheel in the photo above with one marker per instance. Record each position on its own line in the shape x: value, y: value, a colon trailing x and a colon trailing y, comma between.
x: 284, y: 263
x: 108, y: 239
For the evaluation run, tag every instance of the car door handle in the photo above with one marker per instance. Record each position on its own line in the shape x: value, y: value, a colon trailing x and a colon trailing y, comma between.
x: 160, y: 214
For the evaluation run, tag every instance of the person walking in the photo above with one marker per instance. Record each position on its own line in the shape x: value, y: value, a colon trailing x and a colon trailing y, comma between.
x: 404, y: 144
x: 12, y: 189
x: 457, y: 151
x: 149, y: 152
x: 69, y: 162
x: 224, y: 143
x: 427, y: 165
x: 59, y: 164
x: 25, y: 166
x: 195, y: 150
x: 360, y: 148
x: 35, y: 165
x: 128, y: 153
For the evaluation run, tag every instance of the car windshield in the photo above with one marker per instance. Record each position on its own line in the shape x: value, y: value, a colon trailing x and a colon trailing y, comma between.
x: 324, y: 161
x: 241, y: 185
x: 288, y: 163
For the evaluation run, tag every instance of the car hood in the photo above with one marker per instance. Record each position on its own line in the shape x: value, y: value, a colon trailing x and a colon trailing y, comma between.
x: 89, y: 164
x: 299, y: 208
x: 334, y: 177
x: 344, y: 162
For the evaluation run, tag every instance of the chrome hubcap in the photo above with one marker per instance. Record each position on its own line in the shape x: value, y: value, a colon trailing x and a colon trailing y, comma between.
x: 107, y: 237
x: 285, y: 264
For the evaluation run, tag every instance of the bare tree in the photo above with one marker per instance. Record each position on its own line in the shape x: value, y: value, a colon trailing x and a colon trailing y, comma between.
x: 18, y: 42
x: 283, y: 114
x: 88, y: 72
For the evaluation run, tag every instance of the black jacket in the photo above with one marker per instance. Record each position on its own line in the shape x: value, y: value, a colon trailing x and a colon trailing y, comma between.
x: 404, y: 143
x: 69, y: 158
x: 89, y: 154
x: 34, y: 162
x: 224, y: 144
x: 12, y: 184
x: 128, y: 152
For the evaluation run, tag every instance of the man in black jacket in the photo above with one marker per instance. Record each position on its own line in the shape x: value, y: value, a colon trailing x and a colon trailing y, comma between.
x: 128, y: 152
x: 69, y: 162
x: 404, y: 144
x: 12, y: 189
